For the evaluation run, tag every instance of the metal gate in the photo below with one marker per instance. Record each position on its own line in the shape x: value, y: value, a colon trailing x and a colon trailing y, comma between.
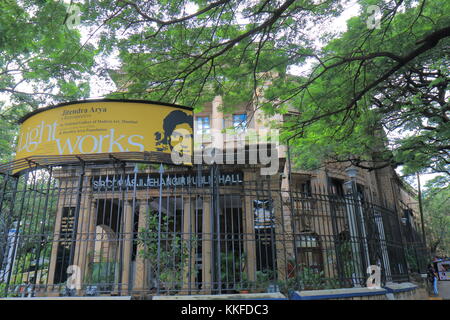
x: 141, y: 229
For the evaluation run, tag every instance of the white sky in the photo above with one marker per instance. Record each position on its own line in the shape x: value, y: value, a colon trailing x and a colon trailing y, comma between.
x: 338, y: 24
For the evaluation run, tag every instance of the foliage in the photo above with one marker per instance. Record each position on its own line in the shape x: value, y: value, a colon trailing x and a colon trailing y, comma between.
x: 263, y: 279
x: 46, y: 55
x: 146, y: 166
x: 344, y: 251
x: 310, y: 279
x: 306, y: 279
x: 417, y: 262
x: 232, y: 269
x: 2, y: 289
x: 190, y: 60
x: 436, y: 204
x: 8, y: 132
x: 173, y: 255
x: 36, y: 223
x: 41, y: 62
x: 100, y: 273
x: 376, y: 97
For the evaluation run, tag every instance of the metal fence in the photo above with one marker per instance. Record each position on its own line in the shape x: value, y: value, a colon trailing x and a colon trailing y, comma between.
x: 122, y: 229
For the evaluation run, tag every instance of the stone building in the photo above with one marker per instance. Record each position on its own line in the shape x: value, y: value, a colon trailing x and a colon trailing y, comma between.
x: 226, y: 227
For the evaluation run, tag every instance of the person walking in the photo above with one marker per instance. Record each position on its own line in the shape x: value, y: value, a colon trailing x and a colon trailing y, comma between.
x: 433, y: 277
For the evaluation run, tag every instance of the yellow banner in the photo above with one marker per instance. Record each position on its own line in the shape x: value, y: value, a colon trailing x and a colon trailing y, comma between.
x: 106, y: 127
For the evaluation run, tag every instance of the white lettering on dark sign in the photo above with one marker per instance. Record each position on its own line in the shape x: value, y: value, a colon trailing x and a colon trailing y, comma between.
x: 147, y: 181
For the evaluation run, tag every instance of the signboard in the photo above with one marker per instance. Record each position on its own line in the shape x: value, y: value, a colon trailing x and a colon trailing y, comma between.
x: 67, y: 226
x: 263, y: 211
x: 152, y: 180
x: 106, y: 126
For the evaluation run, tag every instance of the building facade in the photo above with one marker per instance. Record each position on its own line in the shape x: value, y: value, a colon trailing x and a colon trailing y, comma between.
x: 133, y: 228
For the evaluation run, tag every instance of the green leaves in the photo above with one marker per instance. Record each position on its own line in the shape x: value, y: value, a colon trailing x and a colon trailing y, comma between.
x: 436, y: 203
x: 173, y: 253
x: 41, y: 62
x: 44, y: 49
x: 189, y: 61
x: 369, y: 102
x: 372, y: 95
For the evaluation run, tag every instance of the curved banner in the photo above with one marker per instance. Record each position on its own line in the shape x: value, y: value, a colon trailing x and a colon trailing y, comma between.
x: 106, y: 126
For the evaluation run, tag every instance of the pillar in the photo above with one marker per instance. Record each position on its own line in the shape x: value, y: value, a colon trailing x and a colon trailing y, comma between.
x: 189, y: 270
x: 140, y: 278
x: 84, y: 236
x: 217, y: 122
x: 127, y: 242
x: 207, y: 241
x: 249, y: 231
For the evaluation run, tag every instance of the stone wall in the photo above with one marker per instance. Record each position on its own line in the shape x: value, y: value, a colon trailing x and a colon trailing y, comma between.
x: 393, y: 291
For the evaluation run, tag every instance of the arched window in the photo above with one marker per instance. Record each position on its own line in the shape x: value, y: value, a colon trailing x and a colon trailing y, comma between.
x: 105, y: 244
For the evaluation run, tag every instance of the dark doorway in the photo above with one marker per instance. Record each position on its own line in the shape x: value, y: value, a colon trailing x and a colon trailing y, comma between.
x: 64, y: 252
x: 109, y: 213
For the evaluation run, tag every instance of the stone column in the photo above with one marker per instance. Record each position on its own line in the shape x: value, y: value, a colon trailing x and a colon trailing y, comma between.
x: 91, y: 239
x: 284, y: 250
x: 323, y: 222
x: 217, y: 122
x: 189, y: 268
x: 140, y: 278
x: 127, y: 242
x: 56, y: 235
x: 249, y: 231
x: 83, y: 236
x: 207, y: 242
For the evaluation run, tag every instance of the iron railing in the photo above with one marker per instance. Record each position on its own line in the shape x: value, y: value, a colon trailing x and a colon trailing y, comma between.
x: 115, y: 229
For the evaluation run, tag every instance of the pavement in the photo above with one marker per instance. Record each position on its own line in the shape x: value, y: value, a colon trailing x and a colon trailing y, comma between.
x: 444, y: 289
x: 72, y: 298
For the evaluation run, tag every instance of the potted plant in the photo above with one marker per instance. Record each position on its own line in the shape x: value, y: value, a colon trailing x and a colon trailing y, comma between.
x: 263, y: 279
x: 233, y: 274
x: 100, y: 276
x: 244, y: 285
x: 311, y: 279
x: 287, y: 286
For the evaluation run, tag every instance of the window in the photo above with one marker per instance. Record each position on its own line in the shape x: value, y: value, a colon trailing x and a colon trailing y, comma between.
x: 264, y: 235
x: 305, y: 188
x: 66, y: 240
x: 203, y: 125
x: 408, y: 214
x: 309, y: 252
x: 336, y: 187
x: 240, y: 122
